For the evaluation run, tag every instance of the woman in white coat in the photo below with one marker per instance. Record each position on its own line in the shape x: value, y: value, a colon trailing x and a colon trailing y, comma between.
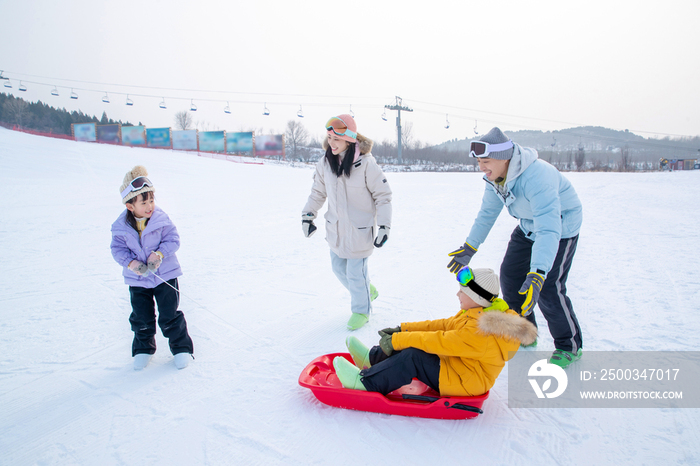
x: 359, y: 200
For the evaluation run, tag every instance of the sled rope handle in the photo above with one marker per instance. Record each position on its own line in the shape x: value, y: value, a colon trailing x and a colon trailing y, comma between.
x: 217, y: 316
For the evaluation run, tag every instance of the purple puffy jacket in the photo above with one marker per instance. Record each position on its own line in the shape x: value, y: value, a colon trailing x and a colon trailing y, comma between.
x: 160, y: 235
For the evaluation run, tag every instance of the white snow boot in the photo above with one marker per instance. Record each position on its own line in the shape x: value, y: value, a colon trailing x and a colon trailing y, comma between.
x: 141, y: 360
x: 182, y: 360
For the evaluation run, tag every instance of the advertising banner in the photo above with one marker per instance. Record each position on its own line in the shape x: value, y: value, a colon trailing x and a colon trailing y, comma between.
x: 269, y: 145
x: 84, y: 132
x: 185, y: 140
x: 108, y: 133
x: 134, y: 135
x: 212, y: 141
x: 158, y: 137
x: 239, y: 143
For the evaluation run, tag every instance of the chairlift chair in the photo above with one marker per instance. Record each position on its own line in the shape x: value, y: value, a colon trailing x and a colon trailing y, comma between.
x: 54, y: 92
x: 300, y: 114
x: 193, y: 107
x: 129, y: 102
x: 476, y: 131
x: 384, y: 116
x: 105, y: 99
x: 265, y: 110
x: 8, y: 84
x: 22, y: 87
x: 352, y: 114
x: 162, y: 104
x: 73, y: 95
x: 227, y: 109
x: 447, y: 123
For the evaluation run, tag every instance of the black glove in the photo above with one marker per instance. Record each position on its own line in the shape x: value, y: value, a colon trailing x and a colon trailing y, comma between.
x: 391, y: 330
x: 385, y: 343
x: 382, y: 236
x: 460, y: 257
x: 307, y: 224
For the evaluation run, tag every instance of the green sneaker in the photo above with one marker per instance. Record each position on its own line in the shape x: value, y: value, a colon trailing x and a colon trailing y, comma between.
x: 358, y: 351
x: 348, y: 374
x: 357, y: 320
x: 564, y: 358
x: 373, y: 293
x: 531, y: 345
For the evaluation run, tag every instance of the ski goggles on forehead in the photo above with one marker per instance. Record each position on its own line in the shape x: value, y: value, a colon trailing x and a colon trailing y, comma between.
x: 136, y: 184
x: 465, y: 277
x: 339, y: 127
x: 481, y: 149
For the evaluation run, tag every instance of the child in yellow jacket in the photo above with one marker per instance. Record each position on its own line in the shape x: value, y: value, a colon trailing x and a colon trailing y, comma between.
x: 458, y: 356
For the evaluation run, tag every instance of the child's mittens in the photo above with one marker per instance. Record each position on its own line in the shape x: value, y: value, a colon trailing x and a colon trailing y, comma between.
x: 385, y: 343
x: 154, y: 261
x: 139, y: 268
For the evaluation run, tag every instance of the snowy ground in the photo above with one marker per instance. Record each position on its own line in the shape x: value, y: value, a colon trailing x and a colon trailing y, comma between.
x: 261, y: 302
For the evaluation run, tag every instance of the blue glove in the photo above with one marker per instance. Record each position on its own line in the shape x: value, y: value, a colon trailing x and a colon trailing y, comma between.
x: 531, y: 289
x: 460, y: 257
x: 382, y: 236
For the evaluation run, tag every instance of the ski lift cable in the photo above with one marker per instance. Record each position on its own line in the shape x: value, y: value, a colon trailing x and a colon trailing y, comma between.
x: 194, y: 90
x: 311, y: 104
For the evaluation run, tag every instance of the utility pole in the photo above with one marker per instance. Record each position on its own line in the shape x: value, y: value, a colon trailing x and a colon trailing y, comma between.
x: 398, y: 107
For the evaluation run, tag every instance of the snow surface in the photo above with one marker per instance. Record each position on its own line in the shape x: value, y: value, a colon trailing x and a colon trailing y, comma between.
x: 261, y: 302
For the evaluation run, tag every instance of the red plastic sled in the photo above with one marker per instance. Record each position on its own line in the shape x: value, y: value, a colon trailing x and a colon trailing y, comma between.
x: 415, y: 399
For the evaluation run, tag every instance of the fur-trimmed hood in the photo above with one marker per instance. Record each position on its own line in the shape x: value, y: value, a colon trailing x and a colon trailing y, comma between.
x: 507, y: 324
x: 365, y: 144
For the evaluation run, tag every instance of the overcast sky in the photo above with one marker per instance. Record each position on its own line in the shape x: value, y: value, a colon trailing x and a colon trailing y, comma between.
x: 541, y: 65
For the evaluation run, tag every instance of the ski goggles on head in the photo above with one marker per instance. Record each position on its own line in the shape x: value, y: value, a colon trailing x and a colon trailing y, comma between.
x: 136, y: 184
x: 339, y: 127
x: 465, y: 277
x: 481, y: 149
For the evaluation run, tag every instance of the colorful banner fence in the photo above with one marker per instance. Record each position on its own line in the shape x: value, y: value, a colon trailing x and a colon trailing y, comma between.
x: 84, y: 132
x: 239, y: 143
x: 158, y: 137
x: 212, y: 141
x: 134, y: 135
x: 109, y: 133
x: 269, y: 145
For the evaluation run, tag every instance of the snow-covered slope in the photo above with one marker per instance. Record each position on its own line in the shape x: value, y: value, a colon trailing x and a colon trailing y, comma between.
x: 261, y: 302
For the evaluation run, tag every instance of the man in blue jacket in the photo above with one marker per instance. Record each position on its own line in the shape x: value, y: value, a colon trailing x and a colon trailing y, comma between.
x: 542, y: 246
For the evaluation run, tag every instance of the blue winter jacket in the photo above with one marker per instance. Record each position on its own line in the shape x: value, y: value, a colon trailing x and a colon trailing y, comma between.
x: 540, y: 197
x: 160, y: 234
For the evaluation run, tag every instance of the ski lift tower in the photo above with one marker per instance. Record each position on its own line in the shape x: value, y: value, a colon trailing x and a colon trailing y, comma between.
x: 398, y: 107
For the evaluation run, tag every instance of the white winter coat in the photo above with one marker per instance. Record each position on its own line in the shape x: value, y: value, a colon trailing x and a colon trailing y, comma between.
x: 356, y: 204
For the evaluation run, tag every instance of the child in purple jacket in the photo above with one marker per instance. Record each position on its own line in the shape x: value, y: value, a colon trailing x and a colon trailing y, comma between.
x: 144, y: 242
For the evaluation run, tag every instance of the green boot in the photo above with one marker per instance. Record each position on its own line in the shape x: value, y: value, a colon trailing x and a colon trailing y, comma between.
x: 358, y: 351
x: 348, y: 374
x: 373, y: 293
x: 564, y: 358
x: 357, y: 320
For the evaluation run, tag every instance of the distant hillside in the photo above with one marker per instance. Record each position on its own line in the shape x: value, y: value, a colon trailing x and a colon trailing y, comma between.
x: 594, y: 139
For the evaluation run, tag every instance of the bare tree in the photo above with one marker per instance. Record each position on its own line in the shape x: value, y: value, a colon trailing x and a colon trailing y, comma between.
x: 297, y: 138
x: 625, y: 159
x: 16, y: 109
x: 580, y: 159
x: 183, y: 120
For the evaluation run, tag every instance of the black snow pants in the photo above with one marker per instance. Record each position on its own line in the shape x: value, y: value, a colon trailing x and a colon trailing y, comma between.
x: 171, y: 321
x: 555, y: 305
x: 391, y: 372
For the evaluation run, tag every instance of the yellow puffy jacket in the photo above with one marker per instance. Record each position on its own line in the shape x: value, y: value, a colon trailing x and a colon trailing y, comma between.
x: 473, y: 346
